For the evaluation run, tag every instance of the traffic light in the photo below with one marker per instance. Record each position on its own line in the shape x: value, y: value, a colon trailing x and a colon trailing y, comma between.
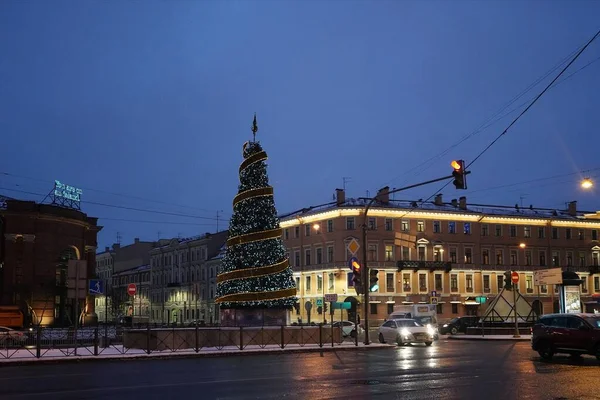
x: 507, y: 280
x: 460, y: 177
x: 373, y: 278
x: 325, y: 307
x: 356, y: 271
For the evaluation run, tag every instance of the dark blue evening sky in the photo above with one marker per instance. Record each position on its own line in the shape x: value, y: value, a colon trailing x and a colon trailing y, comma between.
x: 154, y: 99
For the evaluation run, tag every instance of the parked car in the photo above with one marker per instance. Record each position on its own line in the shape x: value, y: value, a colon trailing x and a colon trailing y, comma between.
x: 573, y: 334
x: 10, y: 336
x: 405, y: 331
x: 348, y: 328
x: 458, y: 324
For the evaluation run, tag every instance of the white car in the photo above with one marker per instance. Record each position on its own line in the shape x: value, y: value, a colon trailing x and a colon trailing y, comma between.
x: 348, y: 328
x: 10, y: 336
x: 404, y: 331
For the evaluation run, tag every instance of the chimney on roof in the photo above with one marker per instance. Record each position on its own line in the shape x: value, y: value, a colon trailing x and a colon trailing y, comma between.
x: 116, y: 246
x: 136, y: 240
x: 462, y: 203
x: 454, y: 203
x: 107, y: 249
x: 383, y: 195
x: 572, y: 209
x: 438, y: 200
x: 340, y: 196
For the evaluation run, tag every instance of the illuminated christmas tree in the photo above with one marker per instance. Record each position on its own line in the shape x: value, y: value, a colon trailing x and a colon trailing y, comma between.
x: 255, y: 273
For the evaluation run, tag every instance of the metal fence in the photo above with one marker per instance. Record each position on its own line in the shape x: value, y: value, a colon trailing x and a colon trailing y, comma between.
x: 115, y: 340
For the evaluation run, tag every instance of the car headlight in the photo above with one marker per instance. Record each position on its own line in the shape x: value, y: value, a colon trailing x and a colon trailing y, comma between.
x: 445, y: 325
x: 430, y: 330
x: 405, y: 332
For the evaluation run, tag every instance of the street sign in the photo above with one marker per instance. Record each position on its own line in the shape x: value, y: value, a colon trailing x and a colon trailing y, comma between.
x: 96, y: 286
x: 551, y: 276
x: 434, y: 300
x: 353, y: 246
x: 131, y: 289
x: 319, y: 302
x: 433, y: 293
x: 480, y: 299
x: 514, y: 277
x: 331, y: 297
x: 308, y: 306
x: 342, y: 306
x: 351, y: 261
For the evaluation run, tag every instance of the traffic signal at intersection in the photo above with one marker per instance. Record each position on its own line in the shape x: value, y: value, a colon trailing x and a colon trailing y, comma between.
x: 373, y: 278
x: 459, y: 174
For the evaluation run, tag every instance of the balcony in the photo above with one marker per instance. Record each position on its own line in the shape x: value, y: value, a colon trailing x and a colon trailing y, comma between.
x: 421, y: 265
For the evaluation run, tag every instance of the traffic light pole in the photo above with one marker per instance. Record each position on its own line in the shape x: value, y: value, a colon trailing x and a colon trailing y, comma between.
x: 365, y: 227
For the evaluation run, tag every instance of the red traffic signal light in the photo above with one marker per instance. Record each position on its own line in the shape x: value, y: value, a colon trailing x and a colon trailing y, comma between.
x: 459, y: 174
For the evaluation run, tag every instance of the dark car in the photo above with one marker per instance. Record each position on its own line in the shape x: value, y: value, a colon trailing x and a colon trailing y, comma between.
x: 458, y: 324
x: 573, y: 334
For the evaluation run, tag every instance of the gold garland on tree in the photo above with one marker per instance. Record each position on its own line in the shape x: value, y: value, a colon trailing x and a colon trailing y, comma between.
x: 254, y: 237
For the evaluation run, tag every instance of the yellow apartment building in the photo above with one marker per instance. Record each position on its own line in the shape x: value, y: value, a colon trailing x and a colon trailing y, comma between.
x: 456, y: 249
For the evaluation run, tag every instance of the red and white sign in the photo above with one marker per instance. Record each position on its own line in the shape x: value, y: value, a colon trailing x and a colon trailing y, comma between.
x: 131, y: 289
x: 514, y: 276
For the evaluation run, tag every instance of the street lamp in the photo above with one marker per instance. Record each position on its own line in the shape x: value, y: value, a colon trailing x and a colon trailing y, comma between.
x: 522, y: 245
x: 587, y: 183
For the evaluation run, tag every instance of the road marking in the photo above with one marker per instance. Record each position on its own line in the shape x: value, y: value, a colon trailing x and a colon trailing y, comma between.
x: 136, y: 387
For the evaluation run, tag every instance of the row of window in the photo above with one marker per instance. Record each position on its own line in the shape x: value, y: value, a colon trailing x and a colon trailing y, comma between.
x: 437, y: 254
x: 162, y: 260
x: 182, y: 276
x: 450, y: 227
x: 181, y: 296
x: 374, y: 309
x: 423, y: 284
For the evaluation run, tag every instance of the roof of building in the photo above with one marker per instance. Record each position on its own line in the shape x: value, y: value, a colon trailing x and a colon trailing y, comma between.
x: 129, y: 271
x: 408, y: 205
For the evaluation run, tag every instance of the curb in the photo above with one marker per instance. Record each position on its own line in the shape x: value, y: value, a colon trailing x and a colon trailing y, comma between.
x: 137, y: 357
x: 490, y: 338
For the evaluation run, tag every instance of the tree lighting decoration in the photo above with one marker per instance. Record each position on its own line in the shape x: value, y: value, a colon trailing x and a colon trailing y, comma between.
x: 255, y: 271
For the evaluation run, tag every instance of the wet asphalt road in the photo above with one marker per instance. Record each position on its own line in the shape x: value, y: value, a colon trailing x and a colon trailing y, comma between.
x: 447, y: 370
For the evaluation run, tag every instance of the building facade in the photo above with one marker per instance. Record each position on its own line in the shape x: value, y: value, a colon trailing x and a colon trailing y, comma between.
x: 115, y: 260
x: 37, y: 241
x: 104, y: 270
x: 138, y: 305
x: 456, y: 250
x: 183, y: 279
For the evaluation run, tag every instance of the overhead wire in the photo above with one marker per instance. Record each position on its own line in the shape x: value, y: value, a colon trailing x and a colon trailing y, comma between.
x: 491, y: 121
x: 581, y: 50
x: 110, y: 193
x: 126, y: 208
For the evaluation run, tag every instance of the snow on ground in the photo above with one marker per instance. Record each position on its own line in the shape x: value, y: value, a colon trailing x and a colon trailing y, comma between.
x: 117, y: 352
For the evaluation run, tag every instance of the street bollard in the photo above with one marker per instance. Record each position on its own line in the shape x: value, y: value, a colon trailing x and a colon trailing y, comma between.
x: 148, y: 339
x: 96, y: 341
x: 320, y: 335
x: 38, y: 342
x: 197, y: 340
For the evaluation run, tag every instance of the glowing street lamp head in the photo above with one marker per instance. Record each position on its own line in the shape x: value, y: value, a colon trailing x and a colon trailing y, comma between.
x: 456, y: 165
x: 522, y: 245
x: 316, y: 227
x: 587, y: 183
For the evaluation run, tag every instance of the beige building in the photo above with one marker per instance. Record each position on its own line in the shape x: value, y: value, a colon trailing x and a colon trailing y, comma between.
x: 183, y: 279
x: 456, y: 249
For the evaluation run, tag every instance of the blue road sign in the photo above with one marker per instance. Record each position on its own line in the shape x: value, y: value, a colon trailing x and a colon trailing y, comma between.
x: 350, y: 261
x: 96, y: 286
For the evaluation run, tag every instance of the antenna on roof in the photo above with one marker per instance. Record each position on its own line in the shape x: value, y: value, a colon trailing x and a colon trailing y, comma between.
x: 345, y: 179
x: 118, y: 238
